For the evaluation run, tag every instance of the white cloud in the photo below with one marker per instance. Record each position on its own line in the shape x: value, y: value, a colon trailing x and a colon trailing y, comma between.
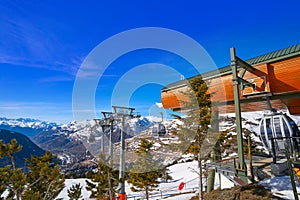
x: 26, y: 42
x: 159, y: 105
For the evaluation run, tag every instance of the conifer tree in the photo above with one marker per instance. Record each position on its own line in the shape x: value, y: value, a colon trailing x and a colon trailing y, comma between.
x: 4, y: 178
x: 165, y: 175
x: 9, y: 150
x: 74, y: 193
x: 44, y: 177
x: 17, y: 183
x: 43, y: 181
x: 104, y: 182
x: 13, y: 179
x: 145, y: 173
x: 196, y: 122
x: 197, y: 108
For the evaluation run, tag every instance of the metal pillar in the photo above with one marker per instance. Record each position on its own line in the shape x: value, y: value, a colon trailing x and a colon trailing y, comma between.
x: 102, y: 140
x: 250, y: 160
x: 122, y: 159
x: 111, y: 145
x: 215, y: 121
x: 291, y: 171
x: 123, y: 112
x: 212, y: 171
x: 109, y: 122
x: 211, y: 174
x: 241, y: 171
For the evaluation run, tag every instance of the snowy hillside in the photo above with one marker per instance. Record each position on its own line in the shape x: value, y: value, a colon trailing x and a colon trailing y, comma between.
x: 179, y: 172
x: 183, y: 172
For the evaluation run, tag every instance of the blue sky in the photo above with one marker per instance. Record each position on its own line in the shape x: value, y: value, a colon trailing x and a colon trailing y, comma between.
x: 44, y: 43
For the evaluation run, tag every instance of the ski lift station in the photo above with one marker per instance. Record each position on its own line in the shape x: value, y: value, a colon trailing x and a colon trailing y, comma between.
x: 274, y: 75
x: 268, y: 82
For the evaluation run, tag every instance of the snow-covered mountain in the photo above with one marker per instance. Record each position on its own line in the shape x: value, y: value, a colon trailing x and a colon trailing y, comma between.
x: 78, y: 143
x: 26, y: 126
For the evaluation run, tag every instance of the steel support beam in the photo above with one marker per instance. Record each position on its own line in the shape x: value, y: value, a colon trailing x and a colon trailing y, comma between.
x: 111, y: 145
x: 212, y: 171
x: 102, y: 140
x: 244, y: 64
x: 241, y: 171
x: 122, y: 159
x: 108, y: 116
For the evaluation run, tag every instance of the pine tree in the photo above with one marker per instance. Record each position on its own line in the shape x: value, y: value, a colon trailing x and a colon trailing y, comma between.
x: 17, y: 183
x: 4, y: 178
x: 165, y: 175
x: 74, y: 193
x: 9, y: 150
x: 104, y: 182
x: 43, y: 181
x: 145, y: 172
x: 197, y: 107
x: 13, y: 179
x: 196, y: 123
x: 44, y: 177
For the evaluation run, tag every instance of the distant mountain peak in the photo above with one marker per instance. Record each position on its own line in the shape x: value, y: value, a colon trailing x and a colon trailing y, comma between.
x: 26, y: 126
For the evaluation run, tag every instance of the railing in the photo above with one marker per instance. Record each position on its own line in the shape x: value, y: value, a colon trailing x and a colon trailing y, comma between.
x: 172, y: 191
x: 289, y: 142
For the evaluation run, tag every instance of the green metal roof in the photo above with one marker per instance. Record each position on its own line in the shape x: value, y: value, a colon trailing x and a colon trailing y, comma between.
x: 278, y: 55
x: 266, y: 58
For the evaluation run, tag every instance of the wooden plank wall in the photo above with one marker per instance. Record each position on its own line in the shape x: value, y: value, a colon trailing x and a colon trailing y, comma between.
x: 277, y: 78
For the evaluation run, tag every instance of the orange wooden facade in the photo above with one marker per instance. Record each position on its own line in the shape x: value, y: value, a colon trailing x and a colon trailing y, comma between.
x: 278, y: 79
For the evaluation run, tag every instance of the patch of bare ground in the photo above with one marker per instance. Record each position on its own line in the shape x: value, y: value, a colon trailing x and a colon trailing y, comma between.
x: 248, y: 192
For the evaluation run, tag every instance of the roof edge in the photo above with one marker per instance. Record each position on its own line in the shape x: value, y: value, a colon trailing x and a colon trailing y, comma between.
x: 273, y: 56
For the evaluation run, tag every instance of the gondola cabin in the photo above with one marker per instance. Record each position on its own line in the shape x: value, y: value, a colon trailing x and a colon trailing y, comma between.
x: 159, y: 129
x: 280, y: 128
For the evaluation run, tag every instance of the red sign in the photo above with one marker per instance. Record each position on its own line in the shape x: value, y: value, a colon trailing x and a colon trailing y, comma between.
x: 181, y: 186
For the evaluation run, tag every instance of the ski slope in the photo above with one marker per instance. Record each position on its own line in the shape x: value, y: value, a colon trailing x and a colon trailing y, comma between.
x: 184, y: 172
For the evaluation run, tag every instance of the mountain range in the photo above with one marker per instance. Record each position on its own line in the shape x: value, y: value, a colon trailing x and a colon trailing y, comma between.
x: 78, y: 143
x: 26, y: 126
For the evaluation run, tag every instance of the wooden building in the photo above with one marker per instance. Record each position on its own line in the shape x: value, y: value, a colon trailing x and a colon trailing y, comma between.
x: 275, y: 75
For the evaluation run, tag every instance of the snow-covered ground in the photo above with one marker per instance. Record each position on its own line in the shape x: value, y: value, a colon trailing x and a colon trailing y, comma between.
x: 184, y: 172
x: 281, y: 186
x: 69, y: 182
